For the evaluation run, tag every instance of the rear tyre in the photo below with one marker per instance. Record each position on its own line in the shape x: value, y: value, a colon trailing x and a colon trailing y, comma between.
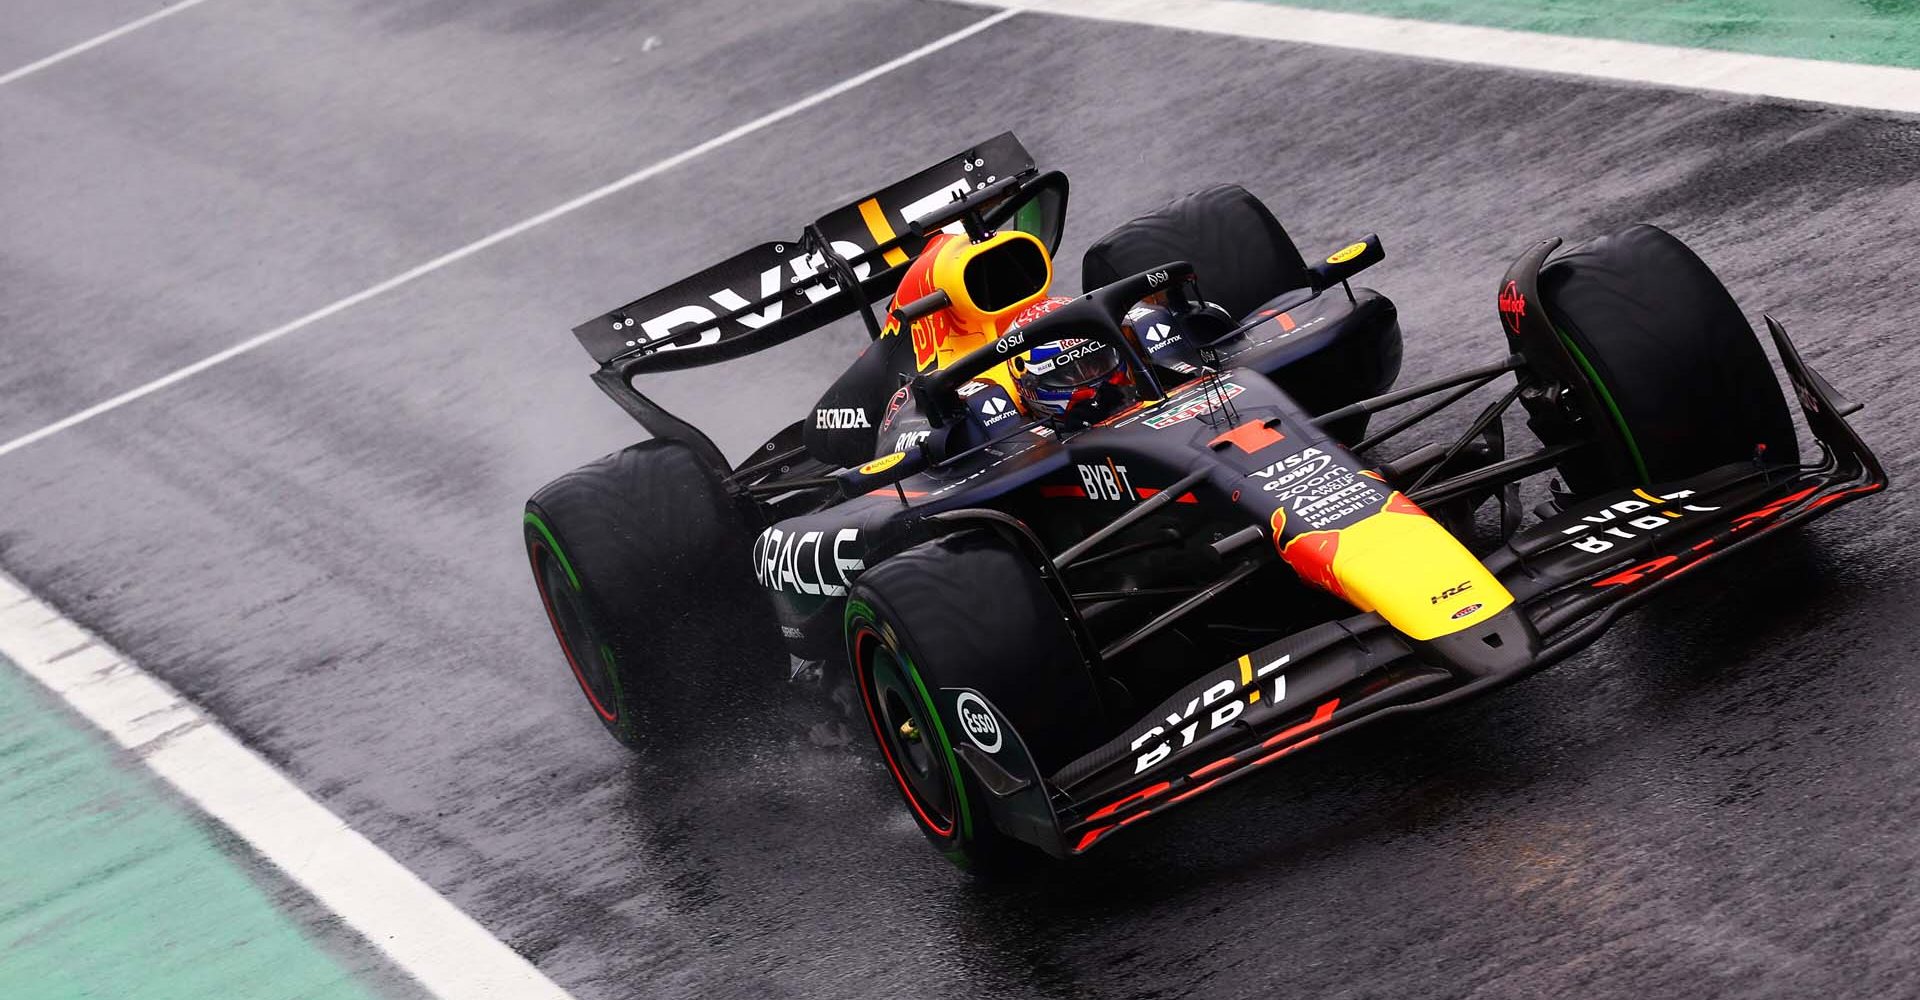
x: 967, y: 610
x: 1680, y: 382
x: 641, y: 561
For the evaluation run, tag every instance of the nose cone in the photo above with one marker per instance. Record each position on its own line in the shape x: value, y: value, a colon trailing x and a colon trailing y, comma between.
x: 1503, y: 644
x: 1400, y: 563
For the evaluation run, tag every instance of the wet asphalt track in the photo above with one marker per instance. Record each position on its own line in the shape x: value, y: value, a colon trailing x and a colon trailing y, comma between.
x: 319, y: 541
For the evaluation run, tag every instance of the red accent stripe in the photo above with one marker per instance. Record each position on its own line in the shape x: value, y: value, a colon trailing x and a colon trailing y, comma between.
x: 1063, y: 491
x: 1249, y: 437
x: 1636, y: 573
x: 1832, y: 497
x: 1311, y: 553
x: 1746, y: 520
x: 1398, y: 503
x: 1140, y: 796
x: 1087, y: 839
x: 566, y: 648
x: 1283, y: 751
x: 1147, y: 492
x: 1697, y: 562
x: 1320, y: 717
x: 1215, y: 766
x: 893, y: 768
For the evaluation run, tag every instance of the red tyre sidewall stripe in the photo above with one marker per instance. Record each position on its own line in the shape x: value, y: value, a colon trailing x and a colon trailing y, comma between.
x: 864, y: 668
x: 534, y: 549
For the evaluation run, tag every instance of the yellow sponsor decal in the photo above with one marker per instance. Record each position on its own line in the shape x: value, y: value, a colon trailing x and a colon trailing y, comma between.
x: 882, y: 464
x: 882, y: 231
x: 1415, y: 574
x: 1347, y: 253
x: 1246, y: 677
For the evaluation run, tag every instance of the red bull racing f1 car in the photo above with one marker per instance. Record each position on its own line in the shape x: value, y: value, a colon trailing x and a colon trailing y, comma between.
x: 1083, y: 559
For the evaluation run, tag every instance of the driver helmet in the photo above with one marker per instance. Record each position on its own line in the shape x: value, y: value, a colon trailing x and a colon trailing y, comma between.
x: 1070, y: 382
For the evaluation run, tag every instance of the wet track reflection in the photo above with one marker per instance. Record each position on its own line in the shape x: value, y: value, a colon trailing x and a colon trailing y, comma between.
x: 318, y: 542
x: 1565, y: 813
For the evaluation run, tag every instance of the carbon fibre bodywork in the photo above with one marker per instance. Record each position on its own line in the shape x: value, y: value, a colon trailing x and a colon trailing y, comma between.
x: 1029, y: 470
x: 1571, y: 576
x: 1240, y: 571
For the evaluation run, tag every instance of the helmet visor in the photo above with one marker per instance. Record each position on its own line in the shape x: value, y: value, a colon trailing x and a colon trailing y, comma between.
x: 1077, y: 363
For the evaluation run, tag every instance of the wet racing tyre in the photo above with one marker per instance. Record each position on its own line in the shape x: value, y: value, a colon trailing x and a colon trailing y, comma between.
x: 641, y: 560
x: 1679, y: 378
x: 967, y: 610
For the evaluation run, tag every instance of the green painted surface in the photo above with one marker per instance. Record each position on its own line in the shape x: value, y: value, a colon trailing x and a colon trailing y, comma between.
x: 1886, y: 32
x: 109, y: 888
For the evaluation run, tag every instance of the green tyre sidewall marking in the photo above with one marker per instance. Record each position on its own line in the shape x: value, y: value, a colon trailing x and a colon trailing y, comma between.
x: 606, y: 652
x: 554, y: 545
x: 857, y: 611
x: 1606, y: 399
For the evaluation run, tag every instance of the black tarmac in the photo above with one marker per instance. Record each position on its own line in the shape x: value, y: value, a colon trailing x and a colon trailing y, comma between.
x: 319, y: 541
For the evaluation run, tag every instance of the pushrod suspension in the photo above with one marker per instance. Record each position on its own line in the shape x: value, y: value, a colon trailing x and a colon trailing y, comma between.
x: 1384, y: 401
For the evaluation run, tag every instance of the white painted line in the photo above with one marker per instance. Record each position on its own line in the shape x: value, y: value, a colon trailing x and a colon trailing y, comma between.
x: 1886, y: 88
x: 97, y: 40
x: 455, y: 256
x: 425, y: 935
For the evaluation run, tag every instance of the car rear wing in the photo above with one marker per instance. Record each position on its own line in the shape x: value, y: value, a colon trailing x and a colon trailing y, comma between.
x: 839, y: 264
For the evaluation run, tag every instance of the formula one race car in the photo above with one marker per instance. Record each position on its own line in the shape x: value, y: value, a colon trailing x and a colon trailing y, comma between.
x: 1084, y: 559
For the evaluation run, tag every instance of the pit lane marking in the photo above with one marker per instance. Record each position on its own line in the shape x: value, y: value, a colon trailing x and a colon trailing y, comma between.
x: 96, y: 41
x: 648, y: 172
x: 1884, y: 88
x: 423, y: 933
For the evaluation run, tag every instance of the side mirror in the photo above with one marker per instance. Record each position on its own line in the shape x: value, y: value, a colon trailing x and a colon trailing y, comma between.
x: 1347, y: 261
x: 1038, y: 208
x: 922, y: 307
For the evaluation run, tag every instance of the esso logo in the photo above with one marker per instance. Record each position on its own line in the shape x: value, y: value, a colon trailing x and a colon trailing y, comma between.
x: 977, y: 721
x: 1469, y: 609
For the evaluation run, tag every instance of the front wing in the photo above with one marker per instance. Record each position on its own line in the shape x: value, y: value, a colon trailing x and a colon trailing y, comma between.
x: 1571, y: 576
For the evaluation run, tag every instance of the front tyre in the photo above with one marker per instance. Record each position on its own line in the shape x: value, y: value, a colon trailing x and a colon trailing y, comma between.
x: 965, y: 611
x: 641, y: 561
x: 1678, y: 382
